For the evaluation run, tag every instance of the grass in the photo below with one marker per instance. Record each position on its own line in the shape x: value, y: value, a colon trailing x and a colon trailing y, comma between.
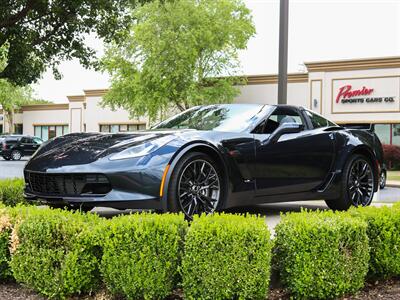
x: 393, y: 175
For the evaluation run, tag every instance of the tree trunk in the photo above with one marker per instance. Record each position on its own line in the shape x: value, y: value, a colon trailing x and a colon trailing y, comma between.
x: 9, y: 114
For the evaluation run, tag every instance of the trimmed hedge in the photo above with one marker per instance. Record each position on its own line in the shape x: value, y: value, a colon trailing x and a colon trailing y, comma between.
x: 5, y: 256
x: 142, y: 254
x: 227, y: 257
x: 11, y: 191
x: 321, y: 254
x: 56, y: 252
x: 384, y: 239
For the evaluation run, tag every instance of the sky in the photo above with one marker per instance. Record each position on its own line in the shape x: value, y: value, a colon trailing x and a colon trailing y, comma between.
x: 318, y: 30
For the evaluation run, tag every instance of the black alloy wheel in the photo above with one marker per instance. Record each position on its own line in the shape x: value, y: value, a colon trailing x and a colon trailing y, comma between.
x: 196, y: 187
x: 357, y: 184
x: 361, y: 183
x: 382, y: 181
x: 16, y: 155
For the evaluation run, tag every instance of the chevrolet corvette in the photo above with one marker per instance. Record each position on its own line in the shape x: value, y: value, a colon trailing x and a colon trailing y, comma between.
x: 210, y: 158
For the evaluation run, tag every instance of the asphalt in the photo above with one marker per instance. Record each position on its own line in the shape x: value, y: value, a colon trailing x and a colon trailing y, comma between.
x: 271, y: 212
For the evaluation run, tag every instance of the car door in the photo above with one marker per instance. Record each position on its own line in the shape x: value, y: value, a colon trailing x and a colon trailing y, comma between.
x: 296, y: 162
x: 27, y: 145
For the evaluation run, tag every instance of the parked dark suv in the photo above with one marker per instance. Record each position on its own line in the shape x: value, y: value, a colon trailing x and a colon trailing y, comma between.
x: 16, y: 146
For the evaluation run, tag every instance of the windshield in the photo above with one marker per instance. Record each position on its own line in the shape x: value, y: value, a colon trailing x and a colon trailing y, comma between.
x: 228, y: 117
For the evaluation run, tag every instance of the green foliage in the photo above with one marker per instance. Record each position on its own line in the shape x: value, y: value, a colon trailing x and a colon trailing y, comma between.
x: 56, y: 252
x: 5, y: 256
x: 142, y: 253
x: 227, y: 257
x: 384, y: 239
x: 321, y: 254
x: 178, y: 54
x: 39, y: 34
x: 11, y: 191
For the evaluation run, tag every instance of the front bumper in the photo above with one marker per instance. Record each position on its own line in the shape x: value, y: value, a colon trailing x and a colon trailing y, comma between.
x: 131, y: 201
x: 133, y: 185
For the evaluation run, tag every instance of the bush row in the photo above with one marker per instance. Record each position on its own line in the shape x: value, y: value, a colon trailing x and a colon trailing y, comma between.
x: 323, y: 255
x: 140, y: 256
x: 11, y: 191
x: 146, y: 256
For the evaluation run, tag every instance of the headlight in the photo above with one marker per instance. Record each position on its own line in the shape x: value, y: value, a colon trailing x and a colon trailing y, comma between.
x: 143, y: 149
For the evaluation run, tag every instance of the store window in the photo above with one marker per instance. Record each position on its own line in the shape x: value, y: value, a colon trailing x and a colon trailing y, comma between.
x: 114, y: 128
x: 383, y: 132
x: 396, y: 134
x: 46, y: 132
x: 1, y: 128
x: 18, y: 128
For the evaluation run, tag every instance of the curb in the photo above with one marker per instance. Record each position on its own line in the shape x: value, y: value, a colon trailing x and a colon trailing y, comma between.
x: 393, y: 184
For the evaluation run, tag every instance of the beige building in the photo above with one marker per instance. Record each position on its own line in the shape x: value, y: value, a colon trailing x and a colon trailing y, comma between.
x: 346, y: 91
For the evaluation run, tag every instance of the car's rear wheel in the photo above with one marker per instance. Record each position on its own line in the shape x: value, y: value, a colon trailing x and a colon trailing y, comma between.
x: 16, y: 155
x: 357, y: 188
x: 382, y: 180
x: 196, y: 185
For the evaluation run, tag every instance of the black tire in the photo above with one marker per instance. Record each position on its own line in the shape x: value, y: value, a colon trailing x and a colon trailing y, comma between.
x: 204, y: 200
x: 7, y: 158
x: 353, y: 186
x: 382, y: 180
x: 16, y: 155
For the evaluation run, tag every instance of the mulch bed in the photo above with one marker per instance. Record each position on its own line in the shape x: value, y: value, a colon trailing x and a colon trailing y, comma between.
x: 387, y: 290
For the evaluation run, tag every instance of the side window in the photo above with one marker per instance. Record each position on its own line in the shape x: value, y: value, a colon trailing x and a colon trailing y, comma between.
x: 278, y: 117
x: 37, y: 141
x: 25, y: 140
x: 318, y: 121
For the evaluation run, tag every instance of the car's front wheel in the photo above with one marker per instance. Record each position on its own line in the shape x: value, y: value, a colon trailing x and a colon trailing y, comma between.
x: 357, y: 188
x: 196, y: 185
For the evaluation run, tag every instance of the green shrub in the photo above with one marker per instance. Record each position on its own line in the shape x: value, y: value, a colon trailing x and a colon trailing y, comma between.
x: 5, y: 256
x: 11, y: 191
x: 142, y: 253
x: 227, y: 257
x: 321, y: 254
x: 55, y: 252
x: 384, y: 239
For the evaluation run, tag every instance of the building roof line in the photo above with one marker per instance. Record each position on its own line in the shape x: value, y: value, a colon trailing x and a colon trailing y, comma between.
x: 50, y: 106
x: 354, y: 64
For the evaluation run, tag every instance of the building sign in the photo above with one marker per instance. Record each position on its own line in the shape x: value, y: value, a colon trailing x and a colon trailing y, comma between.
x: 371, y: 94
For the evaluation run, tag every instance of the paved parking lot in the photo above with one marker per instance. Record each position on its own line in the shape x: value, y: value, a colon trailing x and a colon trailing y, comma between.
x: 10, y: 169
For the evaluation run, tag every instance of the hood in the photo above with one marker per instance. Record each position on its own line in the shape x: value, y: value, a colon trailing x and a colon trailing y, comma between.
x: 84, y: 148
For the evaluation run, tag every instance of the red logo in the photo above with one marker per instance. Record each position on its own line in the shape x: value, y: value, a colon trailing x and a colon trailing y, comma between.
x: 346, y: 92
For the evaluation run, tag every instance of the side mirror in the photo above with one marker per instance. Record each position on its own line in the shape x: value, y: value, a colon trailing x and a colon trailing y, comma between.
x: 285, y: 128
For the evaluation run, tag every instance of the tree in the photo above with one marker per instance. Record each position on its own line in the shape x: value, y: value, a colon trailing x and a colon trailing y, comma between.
x: 41, y: 33
x: 13, y: 97
x: 178, y: 54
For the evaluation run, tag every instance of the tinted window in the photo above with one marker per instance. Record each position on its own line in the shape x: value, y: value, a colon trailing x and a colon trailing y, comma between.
x: 26, y: 140
x: 278, y: 117
x: 37, y: 141
x: 318, y: 121
x: 229, y: 118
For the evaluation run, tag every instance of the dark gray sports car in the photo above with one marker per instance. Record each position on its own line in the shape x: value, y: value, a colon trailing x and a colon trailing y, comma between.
x: 210, y: 158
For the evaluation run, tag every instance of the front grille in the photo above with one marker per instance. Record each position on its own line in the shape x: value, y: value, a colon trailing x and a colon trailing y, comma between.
x: 68, y: 184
